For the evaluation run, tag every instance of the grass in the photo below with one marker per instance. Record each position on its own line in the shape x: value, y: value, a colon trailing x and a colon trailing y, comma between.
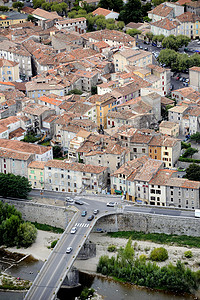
x: 46, y: 227
x: 179, y: 240
x: 45, y: 143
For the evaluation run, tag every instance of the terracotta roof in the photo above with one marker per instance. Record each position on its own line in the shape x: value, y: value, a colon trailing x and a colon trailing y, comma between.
x: 167, y: 124
x: 188, y: 17
x: 166, y: 24
x: 50, y: 100
x: 195, y: 69
x: 76, y: 167
x: 149, y: 170
x: 37, y: 165
x: 194, y: 4
x: 161, y: 10
x: 45, y: 14
x: 162, y: 177
x: 102, y: 11
x: 17, y: 133
x: 9, y: 153
x: 183, y: 183
x: 178, y: 109
x: 167, y: 101
x: 23, y: 147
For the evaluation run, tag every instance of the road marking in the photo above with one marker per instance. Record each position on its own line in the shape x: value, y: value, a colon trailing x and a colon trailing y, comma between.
x: 82, y: 225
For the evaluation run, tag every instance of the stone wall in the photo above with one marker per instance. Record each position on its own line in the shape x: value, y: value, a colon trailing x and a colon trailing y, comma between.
x: 149, y: 224
x: 42, y: 213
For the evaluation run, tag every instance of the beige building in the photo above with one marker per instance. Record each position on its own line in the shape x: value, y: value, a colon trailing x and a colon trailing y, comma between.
x: 194, y: 74
x: 9, y: 70
x: 131, y: 57
x: 11, y: 18
x: 36, y: 174
x: 75, y: 177
x: 169, y: 128
x: 76, y: 24
x: 189, y: 25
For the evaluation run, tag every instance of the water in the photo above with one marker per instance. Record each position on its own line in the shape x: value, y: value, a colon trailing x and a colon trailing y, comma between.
x: 108, y: 288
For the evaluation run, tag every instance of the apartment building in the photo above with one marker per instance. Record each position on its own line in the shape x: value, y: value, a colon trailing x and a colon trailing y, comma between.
x: 160, y: 12
x: 74, y: 177
x: 18, y: 54
x: 131, y: 57
x: 36, y: 174
x: 189, y: 24
x: 77, y: 24
x: 9, y: 70
x: 194, y: 75
x: 169, y: 128
x: 104, y: 104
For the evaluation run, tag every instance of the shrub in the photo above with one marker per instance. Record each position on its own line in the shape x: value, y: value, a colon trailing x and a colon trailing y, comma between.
x: 53, y: 243
x: 111, y: 248
x: 159, y: 254
x: 143, y: 257
x: 188, y: 254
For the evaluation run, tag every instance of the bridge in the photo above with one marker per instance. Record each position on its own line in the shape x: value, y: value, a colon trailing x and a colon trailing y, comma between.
x: 52, y: 274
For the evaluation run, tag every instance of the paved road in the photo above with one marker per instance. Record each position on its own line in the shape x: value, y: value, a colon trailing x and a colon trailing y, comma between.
x: 92, y: 202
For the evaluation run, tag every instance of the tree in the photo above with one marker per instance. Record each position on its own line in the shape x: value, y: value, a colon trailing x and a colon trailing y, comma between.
x: 133, y: 32
x: 193, y: 172
x: 101, y: 22
x: 170, y: 42
x: 76, y: 92
x: 157, y: 2
x: 37, y: 3
x: 132, y: 12
x: 149, y: 35
x: 167, y: 56
x: 57, y: 151
x: 31, y: 18
x: 9, y: 229
x: 182, y: 40
x: 94, y: 90
x: 195, y: 137
x: 19, y: 5
x: 4, y: 8
x: 116, y: 5
x: 145, y: 8
x: 14, y: 186
x: 26, y: 234
x: 190, y: 152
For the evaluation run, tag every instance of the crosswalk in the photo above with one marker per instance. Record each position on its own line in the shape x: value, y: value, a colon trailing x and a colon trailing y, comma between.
x: 82, y: 225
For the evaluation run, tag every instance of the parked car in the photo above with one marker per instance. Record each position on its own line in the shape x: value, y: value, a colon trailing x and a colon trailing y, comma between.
x: 140, y: 47
x: 84, y: 213
x: 111, y: 204
x: 69, y: 200
x: 177, y: 78
x: 154, y: 44
x: 73, y: 230
x: 90, y: 218
x: 181, y: 79
x: 96, y: 211
x: 185, y: 84
x: 146, y: 49
x: 69, y: 250
x: 79, y: 202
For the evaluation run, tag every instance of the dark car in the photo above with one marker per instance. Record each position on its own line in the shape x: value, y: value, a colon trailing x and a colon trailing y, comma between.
x: 96, y: 211
x: 79, y: 202
x: 90, y: 218
x: 84, y: 213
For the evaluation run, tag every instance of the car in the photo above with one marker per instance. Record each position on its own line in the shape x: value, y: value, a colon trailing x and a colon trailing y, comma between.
x: 84, y: 213
x: 111, y: 204
x: 73, y: 230
x: 96, y: 211
x: 177, y: 78
x: 185, y: 84
x: 69, y: 250
x: 184, y: 79
x: 140, y: 47
x: 69, y: 200
x: 198, y: 42
x: 187, y: 80
x: 79, y: 202
x: 159, y: 46
x: 90, y: 218
x: 154, y: 44
x: 146, y: 49
x: 181, y: 79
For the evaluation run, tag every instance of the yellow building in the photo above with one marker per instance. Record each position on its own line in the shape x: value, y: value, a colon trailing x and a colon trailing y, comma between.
x: 104, y: 105
x: 9, y: 70
x: 36, y: 174
x: 11, y: 18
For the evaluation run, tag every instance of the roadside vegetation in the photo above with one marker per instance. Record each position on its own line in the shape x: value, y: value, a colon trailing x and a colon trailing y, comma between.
x: 15, y: 186
x: 126, y: 267
x: 10, y: 283
x: 179, y: 240
x: 46, y: 227
x: 13, y: 230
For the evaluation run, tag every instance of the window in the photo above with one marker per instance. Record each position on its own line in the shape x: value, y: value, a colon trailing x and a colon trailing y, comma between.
x: 138, y: 188
x: 172, y: 193
x: 172, y: 200
x: 158, y: 192
x: 143, y: 150
x: 74, y: 184
x: 32, y: 172
x: 152, y: 191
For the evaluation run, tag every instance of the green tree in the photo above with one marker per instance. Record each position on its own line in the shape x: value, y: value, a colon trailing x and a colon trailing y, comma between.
x: 149, y: 35
x: 145, y: 8
x: 170, y: 42
x: 57, y: 151
x: 116, y: 5
x: 26, y: 234
x: 167, y: 56
x: 46, y: 6
x: 195, y: 137
x: 133, y: 32
x: 193, y: 172
x: 31, y: 18
x: 14, y: 186
x: 101, y: 22
x: 182, y: 40
x: 157, y: 2
x: 38, y: 3
x: 132, y: 12
x: 19, y: 5
x: 4, y: 8
x: 159, y: 254
x: 9, y: 229
x: 190, y: 152
x: 76, y: 92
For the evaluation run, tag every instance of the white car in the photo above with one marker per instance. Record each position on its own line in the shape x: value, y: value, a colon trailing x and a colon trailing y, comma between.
x: 73, y: 230
x: 69, y: 250
x: 69, y: 200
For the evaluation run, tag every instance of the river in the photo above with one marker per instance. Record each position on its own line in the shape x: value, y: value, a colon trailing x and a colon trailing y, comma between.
x: 108, y: 288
